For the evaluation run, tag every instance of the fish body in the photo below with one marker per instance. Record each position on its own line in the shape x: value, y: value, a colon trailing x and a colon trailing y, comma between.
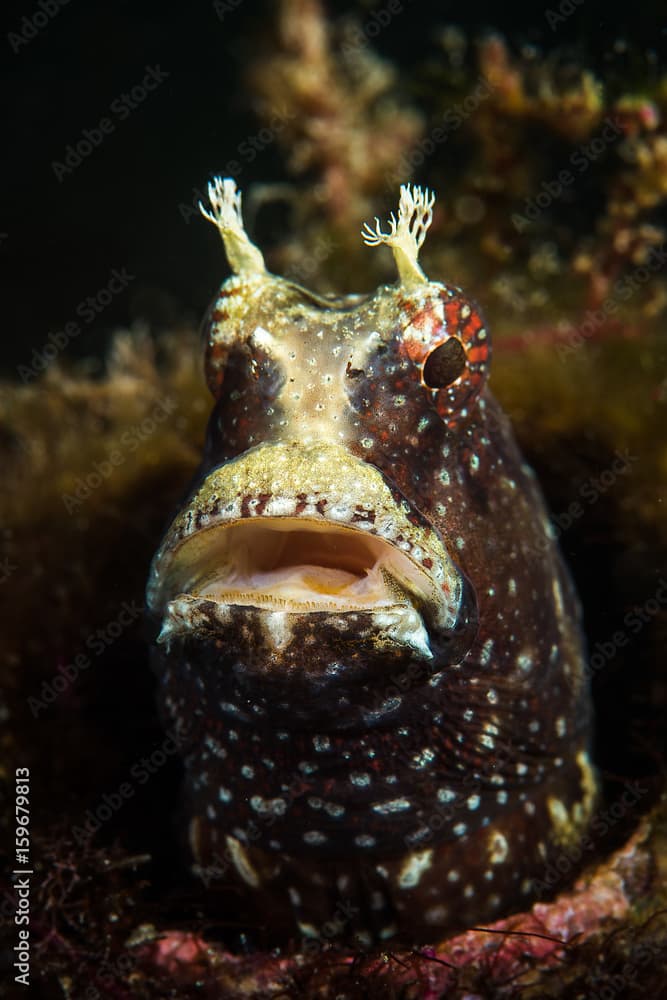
x: 368, y: 636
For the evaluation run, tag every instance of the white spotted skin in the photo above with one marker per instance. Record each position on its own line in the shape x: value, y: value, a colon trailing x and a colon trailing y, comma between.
x: 352, y: 763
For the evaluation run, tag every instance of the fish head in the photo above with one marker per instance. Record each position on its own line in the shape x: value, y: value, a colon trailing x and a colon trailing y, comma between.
x: 305, y: 554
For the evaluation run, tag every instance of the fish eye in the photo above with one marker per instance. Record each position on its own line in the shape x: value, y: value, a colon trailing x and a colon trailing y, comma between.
x: 450, y: 347
x: 444, y: 364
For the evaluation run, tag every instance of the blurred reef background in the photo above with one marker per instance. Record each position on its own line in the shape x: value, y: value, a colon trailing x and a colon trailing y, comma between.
x: 543, y: 131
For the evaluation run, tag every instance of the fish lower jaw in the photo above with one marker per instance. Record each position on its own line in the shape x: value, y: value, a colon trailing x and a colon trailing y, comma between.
x: 386, y: 626
x: 307, y: 587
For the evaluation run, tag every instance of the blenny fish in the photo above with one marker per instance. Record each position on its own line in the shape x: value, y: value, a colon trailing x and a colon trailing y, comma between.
x: 368, y: 637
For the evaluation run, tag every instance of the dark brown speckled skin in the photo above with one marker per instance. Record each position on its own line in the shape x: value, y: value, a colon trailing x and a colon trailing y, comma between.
x: 334, y: 779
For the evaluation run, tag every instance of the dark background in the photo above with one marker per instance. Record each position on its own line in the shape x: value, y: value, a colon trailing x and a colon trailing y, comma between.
x: 119, y: 208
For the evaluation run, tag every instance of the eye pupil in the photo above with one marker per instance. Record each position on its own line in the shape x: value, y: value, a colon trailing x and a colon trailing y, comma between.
x: 444, y: 364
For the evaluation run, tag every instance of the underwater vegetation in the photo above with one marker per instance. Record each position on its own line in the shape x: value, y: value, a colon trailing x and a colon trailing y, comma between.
x: 551, y: 179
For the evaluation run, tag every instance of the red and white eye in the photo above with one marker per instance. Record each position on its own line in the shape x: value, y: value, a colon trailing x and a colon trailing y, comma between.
x: 449, y: 342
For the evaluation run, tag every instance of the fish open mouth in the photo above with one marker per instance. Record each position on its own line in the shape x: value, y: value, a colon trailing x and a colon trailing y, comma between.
x: 288, y: 531
x: 297, y: 565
